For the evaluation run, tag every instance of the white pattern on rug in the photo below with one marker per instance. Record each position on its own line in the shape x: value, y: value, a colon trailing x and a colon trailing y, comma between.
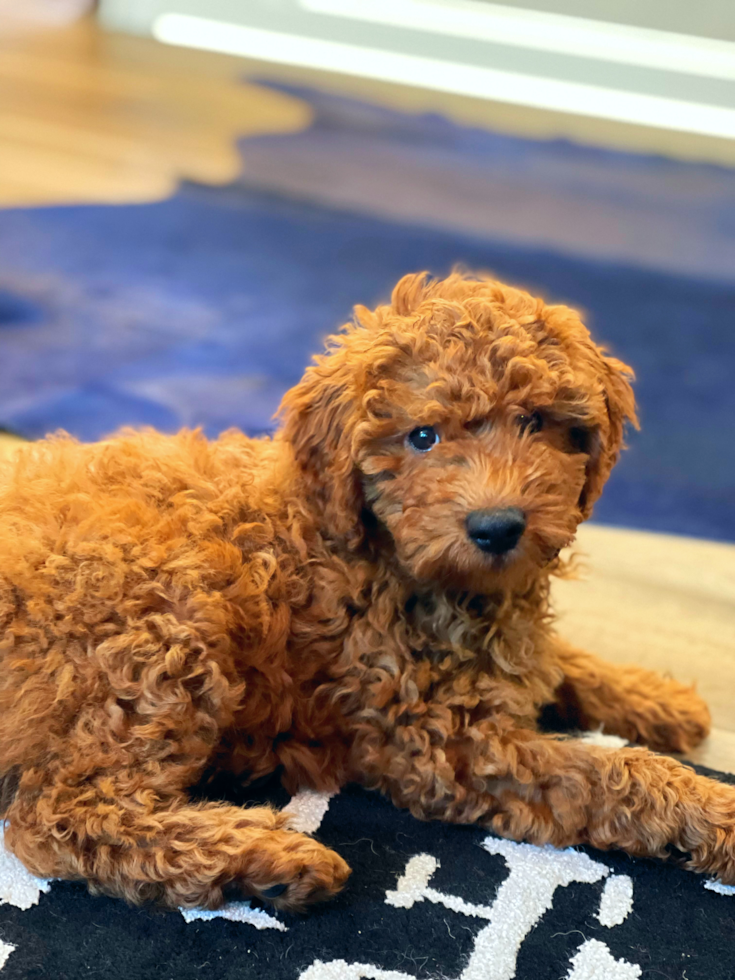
x: 600, y: 739
x: 340, y: 970
x: 525, y: 895
x: 5, y: 950
x: 236, y: 912
x: 594, y: 961
x: 616, y: 902
x: 18, y: 887
x: 308, y: 809
x: 717, y: 886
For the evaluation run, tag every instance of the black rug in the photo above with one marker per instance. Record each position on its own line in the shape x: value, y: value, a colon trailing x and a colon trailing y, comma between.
x: 424, y: 901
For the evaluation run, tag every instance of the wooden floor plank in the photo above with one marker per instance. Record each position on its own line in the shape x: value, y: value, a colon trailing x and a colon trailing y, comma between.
x: 665, y: 602
x: 86, y: 116
x: 659, y: 600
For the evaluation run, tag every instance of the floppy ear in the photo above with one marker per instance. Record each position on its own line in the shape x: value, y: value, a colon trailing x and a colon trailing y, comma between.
x: 319, y: 420
x: 608, y: 439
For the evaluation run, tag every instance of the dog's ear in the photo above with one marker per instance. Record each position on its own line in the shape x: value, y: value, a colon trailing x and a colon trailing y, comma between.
x: 607, y: 438
x: 319, y: 420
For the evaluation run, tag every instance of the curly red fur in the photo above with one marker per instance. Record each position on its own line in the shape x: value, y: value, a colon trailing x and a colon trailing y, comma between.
x: 170, y: 606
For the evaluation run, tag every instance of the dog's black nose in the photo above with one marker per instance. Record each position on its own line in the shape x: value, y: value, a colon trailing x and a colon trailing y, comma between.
x: 496, y: 531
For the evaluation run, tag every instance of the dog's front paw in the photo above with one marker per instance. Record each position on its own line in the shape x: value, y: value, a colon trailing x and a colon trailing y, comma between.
x: 675, y: 721
x: 715, y: 853
x: 295, y: 870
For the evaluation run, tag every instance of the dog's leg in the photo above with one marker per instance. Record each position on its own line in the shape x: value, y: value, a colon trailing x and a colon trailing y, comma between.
x: 569, y: 792
x: 131, y: 845
x: 564, y: 792
x: 105, y: 797
x: 637, y: 704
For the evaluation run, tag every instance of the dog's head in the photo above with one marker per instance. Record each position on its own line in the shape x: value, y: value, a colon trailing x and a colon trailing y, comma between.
x: 475, y: 423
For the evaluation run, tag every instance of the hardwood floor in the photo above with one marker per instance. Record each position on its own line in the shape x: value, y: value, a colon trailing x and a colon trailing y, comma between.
x: 90, y: 116
x: 86, y: 116
x: 667, y: 603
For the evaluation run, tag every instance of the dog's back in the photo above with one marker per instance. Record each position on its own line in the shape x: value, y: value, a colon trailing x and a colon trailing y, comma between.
x: 127, y: 538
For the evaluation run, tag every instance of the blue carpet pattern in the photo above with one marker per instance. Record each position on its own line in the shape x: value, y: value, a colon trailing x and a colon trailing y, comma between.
x: 203, y: 309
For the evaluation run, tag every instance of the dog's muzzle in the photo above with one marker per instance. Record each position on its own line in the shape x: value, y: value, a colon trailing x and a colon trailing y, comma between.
x: 496, y: 531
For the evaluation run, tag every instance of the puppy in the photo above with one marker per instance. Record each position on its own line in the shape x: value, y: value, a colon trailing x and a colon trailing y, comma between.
x: 363, y: 597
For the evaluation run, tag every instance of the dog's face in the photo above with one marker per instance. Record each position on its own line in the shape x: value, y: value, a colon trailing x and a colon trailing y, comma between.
x: 476, y: 424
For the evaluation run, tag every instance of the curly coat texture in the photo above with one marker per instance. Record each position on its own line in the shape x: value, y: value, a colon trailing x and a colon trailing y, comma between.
x: 312, y: 602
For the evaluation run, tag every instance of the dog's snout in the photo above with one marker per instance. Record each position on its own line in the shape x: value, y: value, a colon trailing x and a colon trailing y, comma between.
x: 496, y: 531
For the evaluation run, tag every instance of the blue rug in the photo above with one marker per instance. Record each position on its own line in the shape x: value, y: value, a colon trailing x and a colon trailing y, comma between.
x: 203, y: 309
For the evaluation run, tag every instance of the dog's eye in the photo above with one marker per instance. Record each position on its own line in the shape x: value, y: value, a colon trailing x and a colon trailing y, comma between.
x: 423, y: 439
x: 580, y: 439
x: 531, y: 423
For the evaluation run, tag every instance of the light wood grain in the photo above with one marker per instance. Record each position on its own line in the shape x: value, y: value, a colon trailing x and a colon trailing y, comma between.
x: 86, y: 116
x: 664, y: 602
x: 661, y: 601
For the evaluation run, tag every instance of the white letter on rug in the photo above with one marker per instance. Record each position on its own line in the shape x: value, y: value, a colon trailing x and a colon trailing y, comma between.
x: 717, y: 886
x: 594, y: 961
x: 308, y: 809
x: 339, y: 970
x: 18, y: 887
x: 5, y: 950
x: 616, y: 902
x: 524, y: 896
x: 236, y: 912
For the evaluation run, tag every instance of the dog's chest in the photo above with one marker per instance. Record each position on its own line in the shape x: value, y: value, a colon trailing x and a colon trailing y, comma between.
x: 437, y: 626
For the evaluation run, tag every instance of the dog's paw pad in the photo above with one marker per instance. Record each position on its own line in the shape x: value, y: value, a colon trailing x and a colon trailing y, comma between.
x: 274, y: 891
